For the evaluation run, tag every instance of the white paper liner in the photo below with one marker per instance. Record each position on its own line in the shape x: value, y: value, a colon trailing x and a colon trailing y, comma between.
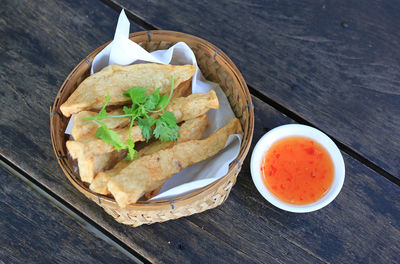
x: 123, y: 51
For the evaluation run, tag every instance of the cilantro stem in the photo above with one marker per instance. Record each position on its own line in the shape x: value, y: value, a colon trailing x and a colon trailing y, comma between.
x: 95, y: 118
x: 172, y: 88
x: 108, y: 98
x: 130, y: 129
x: 119, y: 116
x: 170, y: 93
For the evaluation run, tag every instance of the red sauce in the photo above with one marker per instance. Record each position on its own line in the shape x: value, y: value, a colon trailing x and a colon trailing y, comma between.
x: 297, y: 170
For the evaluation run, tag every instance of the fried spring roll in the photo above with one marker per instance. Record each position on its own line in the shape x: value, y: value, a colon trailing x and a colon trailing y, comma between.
x: 86, y: 128
x: 117, y: 79
x: 191, y: 129
x: 184, y: 89
x: 151, y: 171
x: 184, y: 108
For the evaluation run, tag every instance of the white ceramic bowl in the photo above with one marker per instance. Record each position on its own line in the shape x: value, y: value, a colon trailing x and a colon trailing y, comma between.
x: 305, y: 131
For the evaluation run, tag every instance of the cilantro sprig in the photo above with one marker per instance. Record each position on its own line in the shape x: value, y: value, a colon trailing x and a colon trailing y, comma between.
x: 142, y: 112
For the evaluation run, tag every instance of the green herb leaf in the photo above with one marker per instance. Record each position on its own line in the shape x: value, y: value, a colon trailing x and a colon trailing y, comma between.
x: 164, y: 100
x: 132, y: 153
x: 146, y: 125
x: 169, y: 118
x: 129, y: 110
x: 166, y: 127
x: 137, y: 94
x: 110, y: 136
x: 152, y: 100
x: 103, y: 112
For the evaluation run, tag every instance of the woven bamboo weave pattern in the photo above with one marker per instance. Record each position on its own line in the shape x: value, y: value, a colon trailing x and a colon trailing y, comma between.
x: 216, y: 67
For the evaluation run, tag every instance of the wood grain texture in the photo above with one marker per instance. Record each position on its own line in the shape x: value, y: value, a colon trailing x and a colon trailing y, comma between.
x: 38, y: 51
x: 334, y: 63
x: 35, y: 231
x: 245, y: 229
x: 362, y: 225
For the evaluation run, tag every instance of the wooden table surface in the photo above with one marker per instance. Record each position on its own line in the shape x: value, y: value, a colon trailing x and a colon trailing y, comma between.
x: 334, y: 65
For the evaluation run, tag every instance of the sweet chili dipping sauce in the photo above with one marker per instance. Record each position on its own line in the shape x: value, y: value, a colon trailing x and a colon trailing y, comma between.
x: 297, y: 170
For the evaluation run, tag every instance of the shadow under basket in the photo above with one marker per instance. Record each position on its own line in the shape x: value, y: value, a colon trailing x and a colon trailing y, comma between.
x: 216, y: 67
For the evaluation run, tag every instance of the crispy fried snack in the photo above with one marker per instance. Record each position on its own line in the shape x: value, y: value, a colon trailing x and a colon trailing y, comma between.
x: 87, y: 128
x: 192, y: 106
x: 117, y: 79
x: 191, y: 129
x: 151, y: 171
x: 184, y: 89
x: 184, y: 108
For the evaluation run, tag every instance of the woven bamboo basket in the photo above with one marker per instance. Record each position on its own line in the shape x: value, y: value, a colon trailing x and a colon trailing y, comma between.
x: 216, y: 67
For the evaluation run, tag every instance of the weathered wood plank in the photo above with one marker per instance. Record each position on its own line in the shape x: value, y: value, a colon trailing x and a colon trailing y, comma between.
x: 336, y: 64
x: 35, y: 64
x: 35, y: 231
x: 362, y: 225
x: 226, y: 234
x: 37, y: 51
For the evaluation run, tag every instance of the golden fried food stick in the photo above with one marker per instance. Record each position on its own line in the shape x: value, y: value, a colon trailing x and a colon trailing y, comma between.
x: 151, y: 171
x: 87, y: 128
x: 87, y: 149
x: 117, y: 79
x: 184, y: 108
x: 184, y: 89
x: 192, y: 106
x: 191, y: 129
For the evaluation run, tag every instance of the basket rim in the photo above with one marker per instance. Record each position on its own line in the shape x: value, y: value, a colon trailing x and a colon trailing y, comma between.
x: 149, y: 36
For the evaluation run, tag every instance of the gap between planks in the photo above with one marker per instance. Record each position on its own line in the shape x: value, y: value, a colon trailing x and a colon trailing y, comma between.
x: 97, y: 230
x: 297, y: 118
x: 133, y: 17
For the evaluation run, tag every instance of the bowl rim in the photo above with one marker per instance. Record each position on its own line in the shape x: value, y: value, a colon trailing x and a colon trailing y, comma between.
x: 289, y: 130
x: 219, y: 56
